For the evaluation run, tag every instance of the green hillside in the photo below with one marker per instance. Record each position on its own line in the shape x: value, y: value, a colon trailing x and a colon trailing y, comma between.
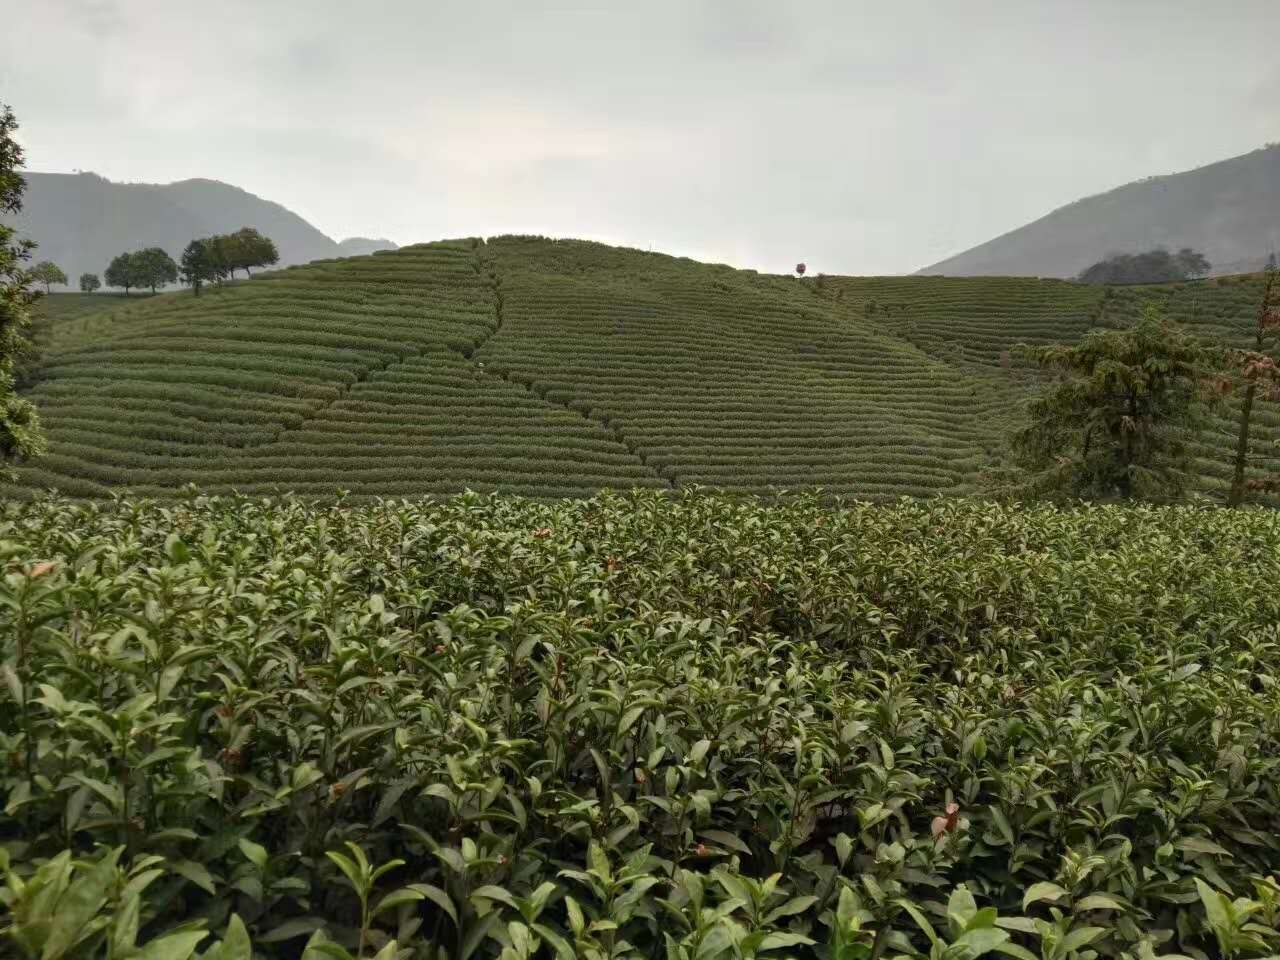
x: 1229, y: 210
x: 554, y: 368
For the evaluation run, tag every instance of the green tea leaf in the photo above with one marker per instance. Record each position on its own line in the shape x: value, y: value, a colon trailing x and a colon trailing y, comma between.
x: 173, y: 946
x: 1044, y: 890
x: 84, y: 897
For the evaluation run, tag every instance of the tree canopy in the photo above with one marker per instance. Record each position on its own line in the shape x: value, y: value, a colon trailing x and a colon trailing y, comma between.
x: 151, y: 267
x: 206, y: 259
x: 220, y: 256
x: 242, y: 250
x: 89, y: 282
x: 154, y: 268
x: 1154, y: 266
x: 252, y: 249
x: 20, y: 434
x: 1117, y: 423
x: 48, y: 273
x: 197, y: 265
x: 121, y: 272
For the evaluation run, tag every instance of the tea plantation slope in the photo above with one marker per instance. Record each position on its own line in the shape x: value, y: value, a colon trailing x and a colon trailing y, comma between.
x: 341, y: 374
x: 556, y: 368
x: 976, y: 321
x: 736, y: 380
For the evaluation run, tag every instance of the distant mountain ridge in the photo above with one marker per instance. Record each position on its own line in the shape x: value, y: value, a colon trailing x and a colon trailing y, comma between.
x: 1229, y: 210
x: 359, y: 246
x: 82, y: 220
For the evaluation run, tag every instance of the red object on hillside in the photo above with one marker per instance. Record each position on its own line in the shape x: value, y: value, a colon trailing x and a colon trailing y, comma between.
x: 800, y: 269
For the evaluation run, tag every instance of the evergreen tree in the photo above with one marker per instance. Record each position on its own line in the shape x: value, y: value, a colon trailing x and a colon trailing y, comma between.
x: 197, y: 265
x: 1117, y: 424
x: 20, y: 434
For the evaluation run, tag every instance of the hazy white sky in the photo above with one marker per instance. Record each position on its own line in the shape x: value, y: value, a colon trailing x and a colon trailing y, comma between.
x: 861, y: 137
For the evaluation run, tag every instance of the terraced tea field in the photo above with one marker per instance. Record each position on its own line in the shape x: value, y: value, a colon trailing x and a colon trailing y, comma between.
x: 555, y: 368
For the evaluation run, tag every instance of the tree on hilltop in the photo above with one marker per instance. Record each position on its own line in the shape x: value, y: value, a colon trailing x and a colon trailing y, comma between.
x: 48, y: 273
x: 121, y: 272
x: 20, y: 434
x: 153, y: 268
x: 197, y: 265
x: 1117, y: 425
x: 249, y: 248
x: 89, y: 282
x: 242, y: 250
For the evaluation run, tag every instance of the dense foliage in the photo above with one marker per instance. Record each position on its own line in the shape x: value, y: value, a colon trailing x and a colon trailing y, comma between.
x: 151, y: 267
x: 1154, y: 266
x: 1221, y: 311
x: 197, y: 265
x: 154, y: 268
x: 89, y: 282
x: 20, y: 434
x: 242, y: 250
x: 662, y: 725
x: 215, y: 258
x: 1117, y: 424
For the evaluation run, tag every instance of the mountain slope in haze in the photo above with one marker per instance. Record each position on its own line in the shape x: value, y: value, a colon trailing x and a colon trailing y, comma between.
x: 81, y: 221
x: 558, y: 367
x: 360, y: 246
x: 1230, y: 211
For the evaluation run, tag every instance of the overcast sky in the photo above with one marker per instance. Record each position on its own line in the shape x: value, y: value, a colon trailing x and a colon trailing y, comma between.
x: 861, y: 137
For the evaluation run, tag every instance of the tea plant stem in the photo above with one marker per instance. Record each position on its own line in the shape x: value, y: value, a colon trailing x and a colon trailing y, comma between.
x: 878, y: 944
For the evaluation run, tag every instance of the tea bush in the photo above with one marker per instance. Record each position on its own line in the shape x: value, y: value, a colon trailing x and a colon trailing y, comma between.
x: 667, y: 724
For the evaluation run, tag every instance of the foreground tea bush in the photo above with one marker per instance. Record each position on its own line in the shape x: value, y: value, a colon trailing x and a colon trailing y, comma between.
x: 661, y: 725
